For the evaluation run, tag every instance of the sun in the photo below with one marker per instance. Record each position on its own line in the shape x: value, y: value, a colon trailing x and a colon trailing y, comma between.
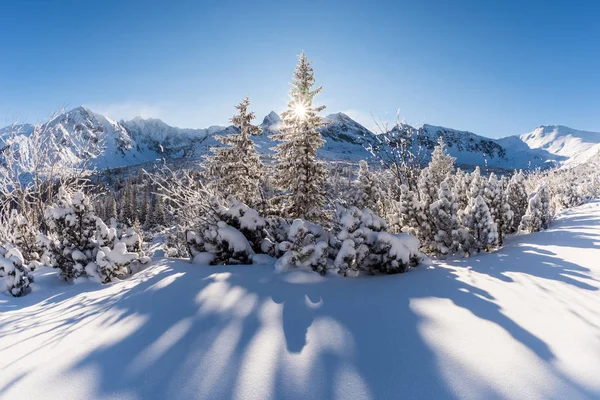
x: 300, y: 110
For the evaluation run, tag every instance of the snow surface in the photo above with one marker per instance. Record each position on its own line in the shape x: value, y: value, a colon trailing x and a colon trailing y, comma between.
x: 521, y: 323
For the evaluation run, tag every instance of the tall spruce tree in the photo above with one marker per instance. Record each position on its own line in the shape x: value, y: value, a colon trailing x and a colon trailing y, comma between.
x: 236, y: 169
x: 298, y: 172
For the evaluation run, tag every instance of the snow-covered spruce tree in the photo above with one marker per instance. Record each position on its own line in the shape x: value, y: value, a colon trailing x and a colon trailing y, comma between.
x: 361, y: 243
x: 298, y: 173
x: 366, y: 190
x: 537, y: 216
x: 236, y: 169
x: 72, y: 224
x: 17, y: 276
x: 438, y: 169
x: 448, y: 237
x: 24, y: 237
x: 412, y: 216
x: 462, y: 182
x: 478, y: 185
x: 516, y: 196
x: 128, y: 204
x: 499, y: 207
x: 306, y: 246
x: 230, y: 233
x: 441, y: 164
x: 111, y: 207
x: 482, y: 228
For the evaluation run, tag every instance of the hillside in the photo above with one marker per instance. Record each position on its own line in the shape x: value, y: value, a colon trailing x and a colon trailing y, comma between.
x: 578, y: 146
x: 183, y: 331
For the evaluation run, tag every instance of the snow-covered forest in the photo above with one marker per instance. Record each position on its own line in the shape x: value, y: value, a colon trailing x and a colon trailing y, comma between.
x: 385, y: 215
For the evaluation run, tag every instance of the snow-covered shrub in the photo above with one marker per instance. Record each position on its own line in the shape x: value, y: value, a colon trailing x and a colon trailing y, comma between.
x: 111, y: 263
x: 306, y: 247
x: 226, y: 244
x: 232, y: 233
x: 362, y: 244
x: 537, y: 216
x: 80, y: 243
x: 395, y: 253
x: 482, y: 228
x: 277, y: 229
x: 17, y: 276
x: 72, y: 224
x: 24, y: 237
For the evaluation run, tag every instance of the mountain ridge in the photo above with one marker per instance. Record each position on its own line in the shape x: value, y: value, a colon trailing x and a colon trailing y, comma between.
x: 141, y: 140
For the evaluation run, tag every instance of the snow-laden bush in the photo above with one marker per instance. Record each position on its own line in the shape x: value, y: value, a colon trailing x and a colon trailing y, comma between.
x: 224, y: 243
x: 306, y: 246
x: 17, y: 276
x: 24, y: 236
x: 118, y: 251
x: 277, y: 229
x: 537, y: 216
x: 72, y: 224
x: 111, y: 263
x: 362, y: 244
x: 231, y: 232
x: 79, y: 243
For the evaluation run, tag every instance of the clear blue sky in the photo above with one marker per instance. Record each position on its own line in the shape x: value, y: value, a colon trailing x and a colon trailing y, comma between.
x: 491, y: 67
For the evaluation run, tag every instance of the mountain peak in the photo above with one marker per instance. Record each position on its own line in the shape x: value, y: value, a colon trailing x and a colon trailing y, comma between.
x: 338, y: 117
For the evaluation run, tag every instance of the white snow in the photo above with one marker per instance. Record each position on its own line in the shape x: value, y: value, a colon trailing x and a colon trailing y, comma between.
x: 521, y: 323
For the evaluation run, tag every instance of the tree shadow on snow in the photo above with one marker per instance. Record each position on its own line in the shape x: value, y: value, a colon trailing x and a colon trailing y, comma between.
x: 225, y: 332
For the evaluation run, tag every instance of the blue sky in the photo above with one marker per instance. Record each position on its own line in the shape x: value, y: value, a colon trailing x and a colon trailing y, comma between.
x: 494, y: 68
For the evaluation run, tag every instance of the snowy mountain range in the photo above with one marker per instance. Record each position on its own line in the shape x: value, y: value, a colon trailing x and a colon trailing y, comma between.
x: 137, y: 141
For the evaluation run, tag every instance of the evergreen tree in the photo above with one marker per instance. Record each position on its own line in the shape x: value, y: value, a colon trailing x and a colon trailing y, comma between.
x: 412, y: 217
x: 236, y: 169
x: 24, y: 238
x: 537, y: 216
x: 516, y: 196
x: 478, y: 185
x: 159, y: 215
x: 442, y: 164
x: 17, y: 276
x: 72, y: 224
x: 481, y: 226
x: 111, y: 207
x: 444, y: 214
x: 298, y: 172
x: 499, y: 208
x: 461, y: 189
x: 144, y: 214
x: 367, y: 189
